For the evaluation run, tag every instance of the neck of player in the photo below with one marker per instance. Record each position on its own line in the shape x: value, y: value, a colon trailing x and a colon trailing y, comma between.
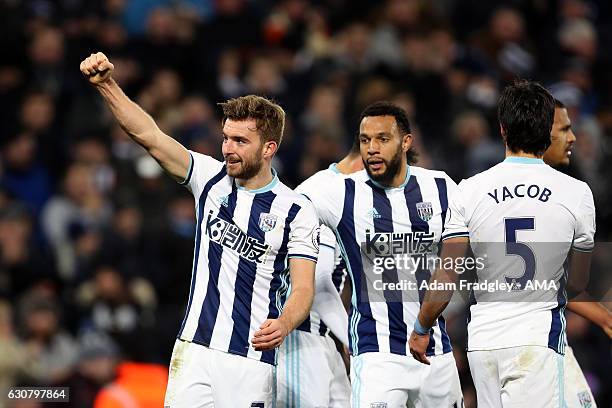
x: 259, y: 180
x: 400, y: 176
x: 520, y: 153
x: 350, y: 163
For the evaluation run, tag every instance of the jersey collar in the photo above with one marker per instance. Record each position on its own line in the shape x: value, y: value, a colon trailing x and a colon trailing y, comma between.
x: 263, y: 189
x: 523, y: 160
x: 334, y: 167
x: 393, y: 188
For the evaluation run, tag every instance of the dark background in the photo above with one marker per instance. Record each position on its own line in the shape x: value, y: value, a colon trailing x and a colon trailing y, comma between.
x: 96, y: 243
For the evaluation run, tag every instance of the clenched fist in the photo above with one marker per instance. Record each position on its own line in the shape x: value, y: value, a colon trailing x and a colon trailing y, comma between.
x: 270, y: 335
x: 97, y: 68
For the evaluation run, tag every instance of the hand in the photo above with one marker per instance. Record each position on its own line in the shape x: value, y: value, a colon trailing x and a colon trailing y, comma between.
x: 97, y: 68
x: 271, y: 334
x: 418, y: 346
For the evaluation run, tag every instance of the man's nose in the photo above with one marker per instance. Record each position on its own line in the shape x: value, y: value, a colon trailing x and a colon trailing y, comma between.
x: 373, y: 147
x: 227, y: 147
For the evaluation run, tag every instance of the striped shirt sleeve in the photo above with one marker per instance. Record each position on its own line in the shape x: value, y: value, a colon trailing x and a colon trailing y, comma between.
x: 201, y: 169
x: 456, y: 223
x: 304, y: 234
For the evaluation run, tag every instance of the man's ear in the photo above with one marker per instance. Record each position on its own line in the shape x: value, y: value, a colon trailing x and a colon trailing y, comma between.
x: 269, y: 149
x: 406, y: 142
x: 502, y: 132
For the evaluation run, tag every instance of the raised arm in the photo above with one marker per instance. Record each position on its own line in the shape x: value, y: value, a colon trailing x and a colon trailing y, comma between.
x: 138, y: 124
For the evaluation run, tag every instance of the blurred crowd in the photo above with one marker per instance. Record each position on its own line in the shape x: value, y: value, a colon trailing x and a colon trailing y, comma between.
x: 96, y: 243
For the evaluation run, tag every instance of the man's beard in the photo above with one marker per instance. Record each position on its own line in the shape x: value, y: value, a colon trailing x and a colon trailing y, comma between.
x: 392, y: 167
x: 248, y: 169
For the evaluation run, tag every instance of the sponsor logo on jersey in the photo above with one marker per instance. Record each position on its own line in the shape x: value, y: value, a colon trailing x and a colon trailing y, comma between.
x: 230, y: 236
x: 399, y: 243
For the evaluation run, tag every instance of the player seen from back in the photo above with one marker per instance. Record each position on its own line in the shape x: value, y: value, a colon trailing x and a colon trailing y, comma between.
x: 523, y: 219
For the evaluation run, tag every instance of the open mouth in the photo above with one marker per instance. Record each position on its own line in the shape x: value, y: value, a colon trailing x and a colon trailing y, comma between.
x: 376, y: 164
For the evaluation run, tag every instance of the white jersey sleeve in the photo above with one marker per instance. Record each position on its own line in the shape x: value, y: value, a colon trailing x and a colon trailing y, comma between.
x: 327, y: 197
x: 327, y: 237
x: 456, y: 223
x: 202, y: 169
x: 304, y: 235
x: 584, y: 232
x: 328, y: 303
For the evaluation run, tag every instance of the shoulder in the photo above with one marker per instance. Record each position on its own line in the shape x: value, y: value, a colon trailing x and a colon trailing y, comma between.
x: 570, y: 182
x: 299, y: 198
x: 428, y: 174
x: 316, y: 181
x: 203, y: 158
x: 359, y: 176
x: 423, y: 172
x: 482, y: 178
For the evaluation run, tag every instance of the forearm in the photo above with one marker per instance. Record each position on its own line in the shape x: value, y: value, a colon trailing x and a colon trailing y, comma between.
x: 138, y: 124
x: 435, y: 301
x: 590, y: 310
x: 297, y: 307
x: 141, y: 127
x: 327, y: 302
x: 328, y: 305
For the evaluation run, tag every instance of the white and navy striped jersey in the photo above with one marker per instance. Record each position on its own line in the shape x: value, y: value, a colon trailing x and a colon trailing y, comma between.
x: 240, y: 268
x: 522, y: 217
x: 368, y: 218
x: 314, y: 324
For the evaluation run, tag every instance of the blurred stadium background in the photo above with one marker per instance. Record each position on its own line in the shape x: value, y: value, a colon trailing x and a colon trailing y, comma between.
x: 96, y: 243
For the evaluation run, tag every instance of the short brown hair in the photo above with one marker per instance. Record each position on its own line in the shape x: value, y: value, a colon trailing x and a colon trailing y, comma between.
x: 269, y: 117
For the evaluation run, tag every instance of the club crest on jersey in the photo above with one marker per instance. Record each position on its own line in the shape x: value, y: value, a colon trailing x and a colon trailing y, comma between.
x: 267, y: 221
x: 425, y: 210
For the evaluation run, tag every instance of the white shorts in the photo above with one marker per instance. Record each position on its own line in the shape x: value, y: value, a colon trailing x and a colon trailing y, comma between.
x: 203, y: 377
x: 310, y: 373
x: 525, y: 376
x: 577, y: 391
x: 385, y: 380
